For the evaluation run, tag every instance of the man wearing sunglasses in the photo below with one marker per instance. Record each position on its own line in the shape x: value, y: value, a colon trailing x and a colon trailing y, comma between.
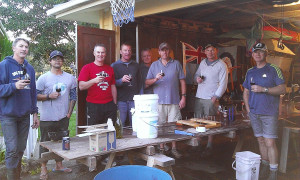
x: 56, y: 90
x: 17, y: 101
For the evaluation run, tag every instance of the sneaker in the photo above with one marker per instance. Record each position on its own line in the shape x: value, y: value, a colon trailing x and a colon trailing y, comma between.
x: 176, y: 154
x: 104, y: 162
x: 206, y: 153
x: 264, y: 171
x: 272, y: 175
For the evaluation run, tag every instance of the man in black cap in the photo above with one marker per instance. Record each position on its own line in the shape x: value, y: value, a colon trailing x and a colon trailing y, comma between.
x: 211, y: 77
x: 56, y: 90
x: 263, y: 85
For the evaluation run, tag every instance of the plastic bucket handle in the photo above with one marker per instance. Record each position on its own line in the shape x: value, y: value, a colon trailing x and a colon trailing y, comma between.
x: 244, y: 170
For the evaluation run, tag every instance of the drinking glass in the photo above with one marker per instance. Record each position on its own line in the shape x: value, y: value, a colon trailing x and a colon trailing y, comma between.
x: 252, y: 81
x: 130, y: 79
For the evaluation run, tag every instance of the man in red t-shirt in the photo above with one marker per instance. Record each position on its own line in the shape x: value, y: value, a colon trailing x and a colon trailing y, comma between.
x: 99, y: 79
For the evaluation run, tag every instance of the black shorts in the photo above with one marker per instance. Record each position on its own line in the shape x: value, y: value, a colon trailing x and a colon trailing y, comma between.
x: 99, y: 113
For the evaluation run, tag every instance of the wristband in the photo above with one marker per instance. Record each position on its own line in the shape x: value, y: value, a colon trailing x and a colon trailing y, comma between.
x: 48, y: 97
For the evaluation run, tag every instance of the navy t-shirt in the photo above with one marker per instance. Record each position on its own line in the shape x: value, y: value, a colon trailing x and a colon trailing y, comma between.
x: 268, y: 76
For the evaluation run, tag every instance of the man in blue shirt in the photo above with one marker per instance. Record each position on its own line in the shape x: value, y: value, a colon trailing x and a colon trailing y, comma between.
x: 164, y: 76
x: 17, y: 102
x: 262, y: 87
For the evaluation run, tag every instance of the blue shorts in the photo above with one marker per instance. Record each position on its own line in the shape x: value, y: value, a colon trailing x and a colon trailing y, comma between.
x: 264, y: 125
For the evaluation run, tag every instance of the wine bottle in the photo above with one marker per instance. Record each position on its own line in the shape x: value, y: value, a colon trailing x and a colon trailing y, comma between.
x: 119, y: 126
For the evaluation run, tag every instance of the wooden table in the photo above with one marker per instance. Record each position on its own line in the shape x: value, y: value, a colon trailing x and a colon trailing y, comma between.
x: 80, y: 146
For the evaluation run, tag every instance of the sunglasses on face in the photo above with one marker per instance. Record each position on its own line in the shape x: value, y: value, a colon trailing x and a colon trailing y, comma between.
x: 23, y: 69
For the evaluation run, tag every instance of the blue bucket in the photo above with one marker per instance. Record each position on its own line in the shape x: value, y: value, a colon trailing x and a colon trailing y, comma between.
x: 133, y: 172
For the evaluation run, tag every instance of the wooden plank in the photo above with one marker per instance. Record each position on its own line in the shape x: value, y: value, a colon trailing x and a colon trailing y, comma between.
x: 157, y: 159
x: 192, y: 142
x: 49, y: 156
x: 90, y: 162
x: 149, y: 150
x: 197, y: 123
x: 110, y: 160
x: 80, y: 146
x: 284, y: 149
x: 230, y: 134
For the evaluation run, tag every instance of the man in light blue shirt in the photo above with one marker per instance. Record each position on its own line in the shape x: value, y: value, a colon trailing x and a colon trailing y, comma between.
x: 164, y: 76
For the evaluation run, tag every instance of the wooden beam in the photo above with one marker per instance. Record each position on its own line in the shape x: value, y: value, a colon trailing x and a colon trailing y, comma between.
x: 192, y: 142
x: 49, y: 156
x: 90, y: 162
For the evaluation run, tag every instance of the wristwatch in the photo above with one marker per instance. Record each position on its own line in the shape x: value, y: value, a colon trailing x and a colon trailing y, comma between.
x: 183, y: 95
x: 266, y: 90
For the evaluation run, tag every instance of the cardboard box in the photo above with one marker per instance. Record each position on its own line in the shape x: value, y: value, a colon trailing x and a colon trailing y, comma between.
x: 103, y: 141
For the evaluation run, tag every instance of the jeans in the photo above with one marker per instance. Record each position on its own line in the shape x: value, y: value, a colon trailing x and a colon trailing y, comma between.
x: 124, y: 108
x: 15, y: 131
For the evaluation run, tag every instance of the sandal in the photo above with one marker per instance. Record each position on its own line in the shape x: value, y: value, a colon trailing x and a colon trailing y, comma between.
x: 44, y: 176
x: 65, y: 170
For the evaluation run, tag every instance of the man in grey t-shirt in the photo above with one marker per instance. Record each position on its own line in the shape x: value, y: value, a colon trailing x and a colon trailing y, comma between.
x: 56, y: 90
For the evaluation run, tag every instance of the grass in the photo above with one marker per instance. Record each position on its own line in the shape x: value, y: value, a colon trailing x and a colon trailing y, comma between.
x: 72, y: 125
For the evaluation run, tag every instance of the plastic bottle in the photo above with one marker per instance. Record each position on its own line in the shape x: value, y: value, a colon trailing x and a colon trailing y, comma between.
x: 119, y: 126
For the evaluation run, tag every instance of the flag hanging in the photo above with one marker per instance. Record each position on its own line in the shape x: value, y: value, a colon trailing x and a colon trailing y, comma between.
x: 192, y: 56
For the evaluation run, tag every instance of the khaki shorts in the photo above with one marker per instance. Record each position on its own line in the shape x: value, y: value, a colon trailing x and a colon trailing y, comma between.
x: 204, y: 107
x: 168, y: 113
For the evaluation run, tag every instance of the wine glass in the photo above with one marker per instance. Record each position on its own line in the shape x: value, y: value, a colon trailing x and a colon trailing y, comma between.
x: 58, y: 89
x: 252, y: 81
x: 162, y: 74
x: 27, y: 78
x: 130, y: 79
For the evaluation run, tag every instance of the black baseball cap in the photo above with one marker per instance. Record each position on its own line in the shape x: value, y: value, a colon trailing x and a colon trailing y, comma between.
x: 56, y: 53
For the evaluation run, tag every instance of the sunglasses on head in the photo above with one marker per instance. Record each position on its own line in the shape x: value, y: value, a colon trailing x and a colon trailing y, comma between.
x: 23, y: 69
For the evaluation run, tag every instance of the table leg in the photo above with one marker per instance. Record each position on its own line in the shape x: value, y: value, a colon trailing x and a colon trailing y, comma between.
x: 130, y: 157
x: 239, y: 144
x: 284, y: 149
x: 110, y: 160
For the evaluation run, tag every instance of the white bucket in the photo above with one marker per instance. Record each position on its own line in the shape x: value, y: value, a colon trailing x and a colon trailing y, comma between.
x: 146, y: 103
x: 146, y: 125
x: 247, y: 165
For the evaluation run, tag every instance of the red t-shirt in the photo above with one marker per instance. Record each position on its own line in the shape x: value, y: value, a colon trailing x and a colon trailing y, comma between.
x: 98, y: 93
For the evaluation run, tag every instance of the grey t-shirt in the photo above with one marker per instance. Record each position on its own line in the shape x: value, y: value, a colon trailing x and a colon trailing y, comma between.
x: 56, y: 109
x: 167, y: 88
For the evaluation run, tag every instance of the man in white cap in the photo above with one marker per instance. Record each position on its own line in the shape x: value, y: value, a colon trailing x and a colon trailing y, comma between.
x: 263, y: 85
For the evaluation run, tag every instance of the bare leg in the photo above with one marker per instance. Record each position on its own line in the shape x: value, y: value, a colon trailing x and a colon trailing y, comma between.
x: 272, y: 150
x: 44, y: 171
x: 263, y: 148
x: 173, y: 144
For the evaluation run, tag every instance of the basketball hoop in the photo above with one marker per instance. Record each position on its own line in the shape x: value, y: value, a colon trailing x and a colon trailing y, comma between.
x: 122, y: 11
